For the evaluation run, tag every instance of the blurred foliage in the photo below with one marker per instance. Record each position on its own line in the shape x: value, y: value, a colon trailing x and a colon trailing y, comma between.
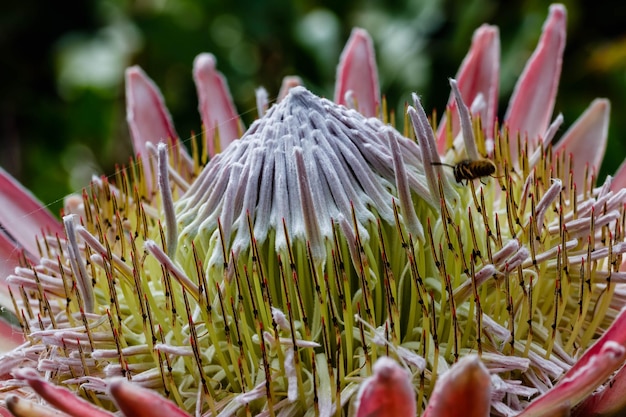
x: 62, y: 95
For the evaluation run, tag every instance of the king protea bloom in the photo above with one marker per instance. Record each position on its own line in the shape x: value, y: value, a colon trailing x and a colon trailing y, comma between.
x: 324, y: 263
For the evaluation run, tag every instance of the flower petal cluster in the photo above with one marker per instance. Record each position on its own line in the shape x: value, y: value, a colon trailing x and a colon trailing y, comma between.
x: 323, y: 263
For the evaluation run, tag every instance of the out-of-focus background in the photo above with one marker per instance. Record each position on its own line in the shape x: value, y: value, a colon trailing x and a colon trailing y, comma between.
x: 62, y: 115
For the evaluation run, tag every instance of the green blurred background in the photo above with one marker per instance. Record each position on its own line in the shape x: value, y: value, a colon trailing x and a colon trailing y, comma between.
x: 61, y: 85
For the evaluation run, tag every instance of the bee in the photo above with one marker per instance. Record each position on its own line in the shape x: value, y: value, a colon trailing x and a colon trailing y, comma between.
x: 469, y: 170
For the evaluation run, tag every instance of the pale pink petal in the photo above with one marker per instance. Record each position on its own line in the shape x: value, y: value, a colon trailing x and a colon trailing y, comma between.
x: 619, y: 181
x: 479, y: 74
x: 134, y: 401
x: 387, y: 393
x: 610, y: 401
x: 288, y: 83
x: 579, y: 382
x: 59, y: 397
x: 586, y: 139
x: 532, y: 102
x: 357, y: 74
x: 216, y: 107
x: 465, y: 390
x: 148, y: 118
x: 21, y: 407
x: 146, y: 113
x: 5, y: 413
x: 615, y: 333
x: 10, y: 253
x: 592, y: 369
x: 22, y: 215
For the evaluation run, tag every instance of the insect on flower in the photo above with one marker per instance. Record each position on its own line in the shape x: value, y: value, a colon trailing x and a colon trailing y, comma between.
x: 468, y: 169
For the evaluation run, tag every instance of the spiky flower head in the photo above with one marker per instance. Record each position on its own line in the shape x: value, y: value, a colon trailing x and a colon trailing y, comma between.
x: 325, y: 263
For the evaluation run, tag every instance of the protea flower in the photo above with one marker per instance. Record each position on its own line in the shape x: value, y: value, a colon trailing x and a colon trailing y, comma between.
x: 325, y: 263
